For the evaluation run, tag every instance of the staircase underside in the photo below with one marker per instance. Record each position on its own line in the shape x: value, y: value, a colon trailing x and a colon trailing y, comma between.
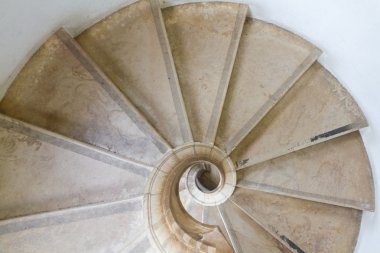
x: 186, y: 129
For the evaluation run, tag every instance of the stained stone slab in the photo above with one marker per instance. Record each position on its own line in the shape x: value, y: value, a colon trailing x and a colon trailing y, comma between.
x: 56, y: 92
x: 132, y: 49
x: 248, y: 234
x: 98, y: 154
x: 90, y: 234
x: 301, y: 225
x: 56, y: 178
x: 269, y: 61
x: 317, y: 108
x: 204, y: 40
x: 336, y: 172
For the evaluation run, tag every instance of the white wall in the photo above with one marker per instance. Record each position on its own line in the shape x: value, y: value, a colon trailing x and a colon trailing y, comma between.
x: 348, y: 31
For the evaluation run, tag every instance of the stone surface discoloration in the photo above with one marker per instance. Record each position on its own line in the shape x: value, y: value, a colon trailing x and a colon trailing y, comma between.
x: 54, y: 91
x: 200, y: 37
x: 312, y: 226
x: 336, y: 172
x: 269, y: 61
x: 105, y: 233
x: 36, y: 135
x: 97, y: 151
x: 309, y: 109
x: 217, y: 108
x: 131, y: 48
x: 112, y: 90
x: 249, y: 234
x: 69, y: 215
x: 56, y: 178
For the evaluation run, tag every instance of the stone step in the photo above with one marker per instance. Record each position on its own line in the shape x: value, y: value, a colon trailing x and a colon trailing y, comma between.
x: 269, y: 61
x: 59, y: 89
x: 317, y: 108
x: 132, y: 49
x: 297, y: 223
x: 204, y: 40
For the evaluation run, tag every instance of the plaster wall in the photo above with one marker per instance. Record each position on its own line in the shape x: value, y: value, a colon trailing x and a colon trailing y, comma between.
x: 348, y: 31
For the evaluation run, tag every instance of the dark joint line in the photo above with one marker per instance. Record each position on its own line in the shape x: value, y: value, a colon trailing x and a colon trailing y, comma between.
x: 332, y: 132
x: 292, y: 244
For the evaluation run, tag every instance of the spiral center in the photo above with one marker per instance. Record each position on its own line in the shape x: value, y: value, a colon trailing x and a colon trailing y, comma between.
x: 208, y: 178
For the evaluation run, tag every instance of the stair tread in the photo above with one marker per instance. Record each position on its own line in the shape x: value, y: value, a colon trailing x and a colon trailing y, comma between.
x: 232, y: 235
x: 203, y: 41
x: 54, y: 91
x: 304, y: 226
x: 130, y: 46
x: 336, y: 172
x: 114, y: 222
x: 269, y: 61
x: 317, y: 108
x: 249, y: 234
x: 72, y: 179
x: 212, y: 216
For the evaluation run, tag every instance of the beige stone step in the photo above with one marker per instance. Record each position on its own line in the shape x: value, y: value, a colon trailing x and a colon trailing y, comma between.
x: 269, y: 61
x: 248, y: 234
x: 232, y: 235
x: 131, y: 47
x: 60, y: 89
x: 191, y: 206
x: 211, y: 216
x: 335, y: 172
x: 113, y: 91
x: 301, y: 225
x: 99, y: 154
x: 317, y: 108
x: 204, y: 39
x: 110, y: 227
x: 89, y: 119
x: 42, y: 171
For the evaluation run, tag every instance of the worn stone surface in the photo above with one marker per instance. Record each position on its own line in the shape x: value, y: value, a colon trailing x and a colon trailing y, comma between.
x: 269, y: 61
x: 301, y: 225
x: 336, y: 171
x: 248, y: 234
x: 54, y: 91
x: 109, y: 232
x: 289, y: 172
x: 317, y: 108
x: 200, y: 36
x: 132, y: 49
x: 37, y: 177
x: 211, y: 216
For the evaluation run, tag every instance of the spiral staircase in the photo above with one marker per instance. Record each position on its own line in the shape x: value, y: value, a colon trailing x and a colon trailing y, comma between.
x: 188, y: 129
